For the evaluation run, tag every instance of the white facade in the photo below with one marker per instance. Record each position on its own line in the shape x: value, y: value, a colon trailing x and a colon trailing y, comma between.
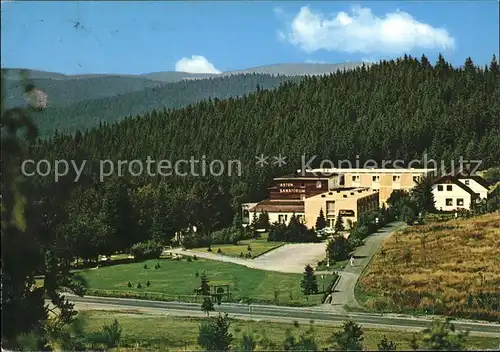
x: 282, y: 217
x: 475, y: 186
x: 450, y: 196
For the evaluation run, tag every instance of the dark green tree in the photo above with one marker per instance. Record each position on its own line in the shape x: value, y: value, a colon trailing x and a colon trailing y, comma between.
x: 29, y: 243
x: 214, y: 335
x: 441, y: 336
x: 308, y: 283
x: 422, y: 195
x: 350, y: 338
x: 305, y: 342
x: 320, y: 221
x: 162, y: 228
x: 207, y: 305
x: 248, y: 343
x: 408, y: 214
x: 386, y: 345
x: 337, y: 248
x: 339, y: 224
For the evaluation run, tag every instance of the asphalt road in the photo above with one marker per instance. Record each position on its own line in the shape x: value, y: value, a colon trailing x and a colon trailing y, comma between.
x: 320, y: 314
x: 344, y: 290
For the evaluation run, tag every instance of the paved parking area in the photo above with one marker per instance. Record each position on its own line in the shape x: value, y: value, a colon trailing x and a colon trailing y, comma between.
x: 290, y: 258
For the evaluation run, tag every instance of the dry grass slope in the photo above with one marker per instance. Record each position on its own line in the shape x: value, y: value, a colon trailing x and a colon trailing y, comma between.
x: 450, y: 268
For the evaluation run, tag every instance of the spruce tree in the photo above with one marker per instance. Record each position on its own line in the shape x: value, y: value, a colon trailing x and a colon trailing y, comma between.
x: 308, y: 283
x: 350, y: 338
x: 162, y: 229
x: 207, y: 305
x: 339, y: 224
x: 320, y: 221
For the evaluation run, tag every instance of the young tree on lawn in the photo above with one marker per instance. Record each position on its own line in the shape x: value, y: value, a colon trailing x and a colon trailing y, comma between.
x: 308, y: 283
x: 339, y: 224
x: 386, y: 345
x: 207, y: 306
x: 248, y: 343
x: 441, y: 336
x: 223, y: 337
x: 305, y: 342
x: 350, y: 338
x: 320, y: 221
x: 214, y: 335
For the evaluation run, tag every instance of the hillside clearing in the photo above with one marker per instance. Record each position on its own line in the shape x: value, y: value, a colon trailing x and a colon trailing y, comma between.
x: 450, y: 268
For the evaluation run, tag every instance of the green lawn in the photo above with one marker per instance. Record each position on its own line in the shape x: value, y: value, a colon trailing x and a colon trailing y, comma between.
x: 335, y: 266
x: 176, y: 280
x: 160, y: 332
x: 258, y: 247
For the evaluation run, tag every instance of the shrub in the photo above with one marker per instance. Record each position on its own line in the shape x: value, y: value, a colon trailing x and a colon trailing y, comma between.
x: 189, y: 259
x: 219, y: 251
x: 111, y: 334
x: 145, y: 266
x: 139, y: 285
x: 129, y: 284
x: 195, y: 257
x: 157, y: 266
x: 209, y: 249
x: 147, y: 250
x: 249, y: 248
x: 241, y: 255
x: 148, y: 283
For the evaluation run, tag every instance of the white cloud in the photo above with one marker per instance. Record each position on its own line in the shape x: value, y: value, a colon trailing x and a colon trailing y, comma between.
x: 195, y: 64
x: 363, y: 32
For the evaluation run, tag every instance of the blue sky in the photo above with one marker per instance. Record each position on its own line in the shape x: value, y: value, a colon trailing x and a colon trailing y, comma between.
x: 138, y: 37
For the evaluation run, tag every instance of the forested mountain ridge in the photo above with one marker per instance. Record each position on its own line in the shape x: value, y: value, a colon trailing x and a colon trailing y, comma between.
x: 63, y: 92
x: 393, y: 110
x: 79, y: 102
x: 89, y: 113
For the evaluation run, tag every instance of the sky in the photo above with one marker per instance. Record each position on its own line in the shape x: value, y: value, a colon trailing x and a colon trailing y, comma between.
x: 127, y: 37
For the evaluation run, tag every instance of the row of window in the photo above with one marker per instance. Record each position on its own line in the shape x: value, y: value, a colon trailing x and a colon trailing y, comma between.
x: 448, y: 187
x: 449, y: 201
x: 284, y: 218
x: 376, y: 178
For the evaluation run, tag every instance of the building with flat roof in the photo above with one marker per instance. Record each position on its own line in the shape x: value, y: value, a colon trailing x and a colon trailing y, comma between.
x: 382, y: 180
x: 286, y: 196
x: 349, y: 202
x: 298, y: 186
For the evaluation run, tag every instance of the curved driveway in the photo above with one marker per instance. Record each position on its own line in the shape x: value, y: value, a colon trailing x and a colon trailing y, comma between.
x: 292, y: 258
x: 289, y: 258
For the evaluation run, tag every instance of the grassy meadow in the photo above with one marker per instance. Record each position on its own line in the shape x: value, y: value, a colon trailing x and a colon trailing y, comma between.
x: 450, y: 268
x: 257, y: 247
x: 177, y: 280
x: 149, y: 331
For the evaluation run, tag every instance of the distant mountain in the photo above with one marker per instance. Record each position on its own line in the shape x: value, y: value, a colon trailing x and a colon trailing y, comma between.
x: 86, y: 114
x: 82, y: 101
x: 67, y: 91
x: 299, y: 69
